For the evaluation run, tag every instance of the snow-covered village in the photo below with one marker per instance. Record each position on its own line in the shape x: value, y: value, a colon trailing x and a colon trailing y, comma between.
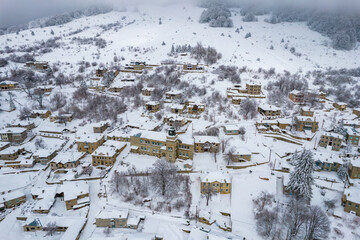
x: 195, y: 120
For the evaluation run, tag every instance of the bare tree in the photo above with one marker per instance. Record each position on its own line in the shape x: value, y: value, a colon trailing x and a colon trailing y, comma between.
x: 294, y: 218
x: 264, y: 200
x: 107, y: 231
x: 312, y: 99
x: 58, y: 101
x: 39, y: 97
x: 88, y: 170
x: 229, y: 156
x: 50, y: 228
x: 117, y: 181
x: 317, y: 225
x: 39, y: 143
x: 215, y: 156
x: 207, y: 193
x: 248, y: 108
x: 164, y: 177
x: 224, y: 143
x: 266, y: 223
x: 24, y: 113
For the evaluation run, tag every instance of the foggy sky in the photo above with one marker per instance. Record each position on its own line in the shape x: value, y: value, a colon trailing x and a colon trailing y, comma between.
x: 14, y: 12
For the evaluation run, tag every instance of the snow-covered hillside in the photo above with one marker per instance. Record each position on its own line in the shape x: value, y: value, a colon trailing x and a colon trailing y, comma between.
x: 141, y: 29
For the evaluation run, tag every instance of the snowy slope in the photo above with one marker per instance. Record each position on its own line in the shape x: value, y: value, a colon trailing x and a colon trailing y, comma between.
x: 180, y: 26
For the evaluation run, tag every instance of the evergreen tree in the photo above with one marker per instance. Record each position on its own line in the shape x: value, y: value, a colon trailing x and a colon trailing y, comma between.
x: 172, y: 49
x: 160, y: 22
x: 52, y: 32
x: 301, y: 179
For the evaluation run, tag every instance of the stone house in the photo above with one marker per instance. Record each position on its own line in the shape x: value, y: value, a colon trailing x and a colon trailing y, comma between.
x: 40, y: 113
x: 206, y: 144
x: 331, y: 139
x: 13, y: 134
x: 113, y: 218
x: 152, y: 106
x: 269, y: 111
x: 100, y: 127
x: 341, y: 106
x: 107, y: 153
x: 304, y: 123
x: 195, y: 108
x: 173, y: 95
x: 216, y: 181
x: 297, y: 96
x: 306, y: 112
x: 89, y: 143
x: 8, y: 85
x: 147, y: 91
x: 67, y: 160
x: 351, y: 200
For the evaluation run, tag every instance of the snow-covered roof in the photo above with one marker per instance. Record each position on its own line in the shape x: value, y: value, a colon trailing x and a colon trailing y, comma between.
x: 150, y: 89
x: 42, y: 153
x: 159, y: 136
x: 12, y: 195
x: 177, y: 106
x: 13, y: 130
x: 39, y: 111
x: 11, y: 150
x: 7, y: 82
x: 268, y: 107
x: 72, y: 190
x: 152, y: 103
x: 307, y: 109
x: 327, y: 157
x: 115, y: 144
x: 185, y: 139
x: 352, y: 194
x: 66, y: 157
x: 174, y: 92
x: 216, y: 177
x: 44, y: 192
x: 305, y: 119
x: 105, y: 151
x: 89, y: 138
x: 73, y: 224
x: 145, y: 123
x: 332, y: 134
x: 231, y: 127
x: 133, y: 220
x: 341, y: 103
x: 113, y: 213
x: 296, y: 92
x: 203, y: 139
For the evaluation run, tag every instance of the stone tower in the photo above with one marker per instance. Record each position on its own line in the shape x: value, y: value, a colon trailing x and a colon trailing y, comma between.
x: 171, y: 145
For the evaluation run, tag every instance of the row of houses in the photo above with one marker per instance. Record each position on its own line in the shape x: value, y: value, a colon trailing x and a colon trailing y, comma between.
x: 189, y: 107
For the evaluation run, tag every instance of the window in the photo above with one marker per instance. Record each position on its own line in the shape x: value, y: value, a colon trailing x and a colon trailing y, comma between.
x: 349, y: 203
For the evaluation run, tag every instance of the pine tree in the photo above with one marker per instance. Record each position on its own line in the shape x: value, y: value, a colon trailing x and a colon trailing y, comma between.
x: 301, y: 179
x: 172, y: 49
